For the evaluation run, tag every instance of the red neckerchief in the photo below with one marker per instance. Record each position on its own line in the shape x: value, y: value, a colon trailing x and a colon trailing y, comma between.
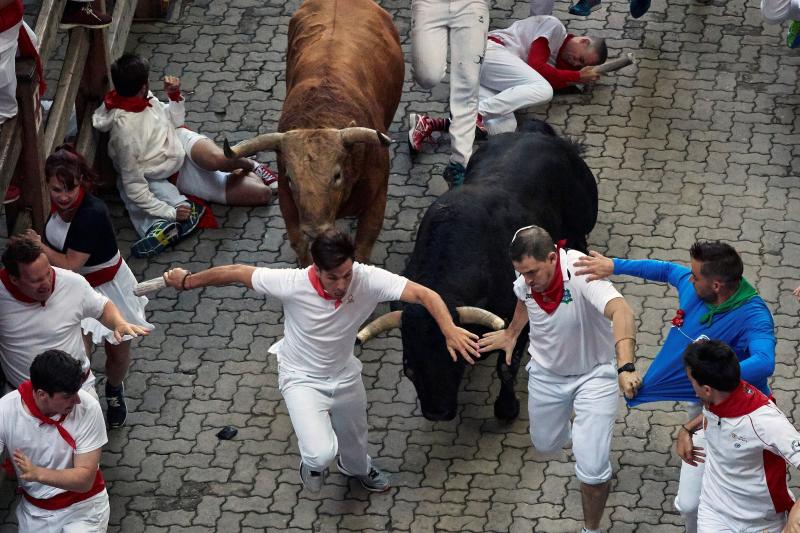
x: 313, y: 277
x: 11, y: 15
x: 5, y: 277
x: 134, y: 104
x: 743, y: 400
x: 560, y: 63
x: 74, y: 205
x: 26, y: 393
x: 550, y: 299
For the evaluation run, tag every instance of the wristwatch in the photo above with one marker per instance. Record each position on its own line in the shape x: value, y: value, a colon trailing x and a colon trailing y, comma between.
x: 627, y: 367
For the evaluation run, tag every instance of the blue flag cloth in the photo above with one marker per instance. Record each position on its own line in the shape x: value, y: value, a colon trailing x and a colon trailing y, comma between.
x: 749, y: 330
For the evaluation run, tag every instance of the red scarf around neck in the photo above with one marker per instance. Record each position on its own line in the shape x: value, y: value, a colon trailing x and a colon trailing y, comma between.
x: 550, y: 299
x: 26, y: 393
x: 133, y: 104
x: 14, y: 291
x: 313, y: 277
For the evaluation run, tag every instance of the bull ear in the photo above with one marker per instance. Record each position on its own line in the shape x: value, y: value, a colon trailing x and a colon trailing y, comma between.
x: 267, y: 141
x: 351, y: 136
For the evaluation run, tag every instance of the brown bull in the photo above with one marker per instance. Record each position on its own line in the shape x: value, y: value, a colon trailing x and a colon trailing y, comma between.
x: 344, y: 77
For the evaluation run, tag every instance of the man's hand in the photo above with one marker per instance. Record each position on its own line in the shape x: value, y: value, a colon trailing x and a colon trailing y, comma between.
x: 174, y: 277
x: 130, y: 330
x: 629, y: 383
x: 462, y: 341
x: 796, y: 292
x: 172, y: 84
x: 498, y: 340
x: 793, y: 521
x: 182, y: 212
x: 26, y: 468
x: 595, y: 265
x: 686, y: 449
x: 588, y: 75
x: 32, y: 235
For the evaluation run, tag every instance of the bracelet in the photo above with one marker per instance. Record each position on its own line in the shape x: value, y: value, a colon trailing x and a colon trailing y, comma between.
x: 183, y: 281
x: 625, y: 339
x: 691, y: 432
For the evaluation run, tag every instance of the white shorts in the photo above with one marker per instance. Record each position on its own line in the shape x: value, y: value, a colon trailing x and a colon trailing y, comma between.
x: 88, y: 516
x: 195, y: 180
x: 594, y: 397
x: 709, y: 521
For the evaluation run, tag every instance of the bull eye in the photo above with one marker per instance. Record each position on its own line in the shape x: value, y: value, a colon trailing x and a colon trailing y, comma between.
x: 337, y: 178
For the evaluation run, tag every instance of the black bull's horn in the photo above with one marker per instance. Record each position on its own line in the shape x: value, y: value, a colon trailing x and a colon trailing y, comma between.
x: 272, y: 141
x: 466, y: 314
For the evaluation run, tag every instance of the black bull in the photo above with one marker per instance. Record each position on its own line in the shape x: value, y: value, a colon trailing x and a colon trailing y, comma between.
x: 461, y: 251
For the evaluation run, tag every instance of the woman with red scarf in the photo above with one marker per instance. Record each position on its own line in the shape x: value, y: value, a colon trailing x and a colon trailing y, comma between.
x: 575, y: 329
x: 79, y: 237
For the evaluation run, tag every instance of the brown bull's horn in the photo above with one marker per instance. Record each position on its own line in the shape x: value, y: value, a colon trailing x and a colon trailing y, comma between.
x: 480, y: 317
x: 363, y: 135
x: 383, y: 323
x: 268, y: 141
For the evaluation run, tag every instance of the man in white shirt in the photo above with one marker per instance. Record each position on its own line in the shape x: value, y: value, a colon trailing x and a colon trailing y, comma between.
x: 572, y: 345
x: 41, y: 308
x: 748, y: 442
x: 318, y: 375
x: 55, y: 431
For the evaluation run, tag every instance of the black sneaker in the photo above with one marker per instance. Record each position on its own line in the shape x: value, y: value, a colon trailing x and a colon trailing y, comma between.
x: 117, y: 408
x: 454, y: 174
x: 190, y: 224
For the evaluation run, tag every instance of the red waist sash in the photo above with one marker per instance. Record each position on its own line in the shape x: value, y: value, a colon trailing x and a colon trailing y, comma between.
x: 65, y: 499
x: 104, y: 275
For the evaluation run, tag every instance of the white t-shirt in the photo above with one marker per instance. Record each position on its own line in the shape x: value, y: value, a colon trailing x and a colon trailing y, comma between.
x: 519, y: 37
x: 577, y: 336
x: 28, y: 329
x: 43, y: 444
x: 318, y: 336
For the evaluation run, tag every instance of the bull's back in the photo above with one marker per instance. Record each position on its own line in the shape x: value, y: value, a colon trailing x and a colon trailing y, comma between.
x: 348, y: 47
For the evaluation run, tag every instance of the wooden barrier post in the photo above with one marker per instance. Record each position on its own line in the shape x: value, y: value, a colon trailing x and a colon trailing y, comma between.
x: 34, y: 194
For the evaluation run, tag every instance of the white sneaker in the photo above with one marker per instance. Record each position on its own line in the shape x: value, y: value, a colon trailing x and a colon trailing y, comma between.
x: 375, y: 480
x: 311, y: 479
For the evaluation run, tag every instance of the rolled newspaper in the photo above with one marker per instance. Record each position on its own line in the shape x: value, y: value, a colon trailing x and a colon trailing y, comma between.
x: 151, y: 285
x: 616, y: 64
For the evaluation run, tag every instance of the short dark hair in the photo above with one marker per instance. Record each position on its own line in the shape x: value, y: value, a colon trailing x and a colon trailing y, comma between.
x: 599, y: 46
x: 70, y: 168
x: 20, y: 250
x: 719, y: 261
x: 56, y: 371
x: 531, y: 241
x: 331, y: 248
x: 129, y: 73
x: 713, y: 363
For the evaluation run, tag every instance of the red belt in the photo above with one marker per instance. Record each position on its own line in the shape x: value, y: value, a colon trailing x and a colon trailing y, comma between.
x: 85, y: 375
x: 497, y: 40
x: 104, y: 275
x: 65, y: 499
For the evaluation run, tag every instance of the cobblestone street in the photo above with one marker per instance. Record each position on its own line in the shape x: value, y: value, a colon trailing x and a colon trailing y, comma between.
x: 698, y: 141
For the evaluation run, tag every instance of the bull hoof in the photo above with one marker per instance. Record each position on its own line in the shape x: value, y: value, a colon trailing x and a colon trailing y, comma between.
x: 506, y: 411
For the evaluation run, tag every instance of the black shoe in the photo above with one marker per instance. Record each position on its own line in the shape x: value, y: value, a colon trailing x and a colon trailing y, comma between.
x: 117, y: 408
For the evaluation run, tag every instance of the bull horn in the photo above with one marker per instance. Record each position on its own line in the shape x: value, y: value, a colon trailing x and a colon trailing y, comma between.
x: 480, y: 317
x: 267, y: 141
x: 383, y: 323
x: 363, y: 135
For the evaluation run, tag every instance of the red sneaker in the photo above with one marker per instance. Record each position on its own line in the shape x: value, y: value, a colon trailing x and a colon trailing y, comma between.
x: 481, y: 133
x: 421, y: 127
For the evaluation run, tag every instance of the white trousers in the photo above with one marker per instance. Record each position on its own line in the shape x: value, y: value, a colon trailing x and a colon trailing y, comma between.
x: 8, y: 76
x: 709, y: 521
x: 593, y: 397
x: 777, y: 11
x: 687, y: 500
x: 192, y: 179
x: 329, y: 416
x: 88, y: 516
x: 466, y: 22
x: 541, y: 7
x: 507, y: 84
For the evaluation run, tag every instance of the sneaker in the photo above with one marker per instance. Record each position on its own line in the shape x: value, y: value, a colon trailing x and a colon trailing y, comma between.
x: 158, y: 237
x: 454, y: 174
x: 311, y: 479
x: 82, y: 15
x: 267, y: 175
x: 117, y: 408
x: 639, y: 7
x: 481, y: 133
x: 190, y: 224
x: 374, y: 481
x: 584, y: 7
x: 421, y: 127
x: 793, y: 35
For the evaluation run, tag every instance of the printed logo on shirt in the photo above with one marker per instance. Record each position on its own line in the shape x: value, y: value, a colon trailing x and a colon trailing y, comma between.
x: 739, y: 440
x: 796, y: 445
x: 567, y: 298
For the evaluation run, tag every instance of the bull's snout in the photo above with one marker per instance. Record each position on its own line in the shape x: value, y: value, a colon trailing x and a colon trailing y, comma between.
x: 439, y: 416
